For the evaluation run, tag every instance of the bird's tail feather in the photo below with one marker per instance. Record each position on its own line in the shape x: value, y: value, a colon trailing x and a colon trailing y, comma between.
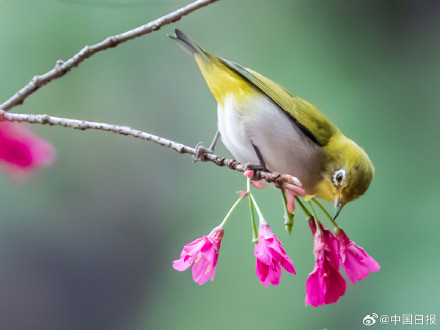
x: 187, y: 44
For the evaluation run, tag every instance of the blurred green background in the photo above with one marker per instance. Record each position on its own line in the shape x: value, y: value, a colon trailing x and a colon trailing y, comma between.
x: 88, y: 243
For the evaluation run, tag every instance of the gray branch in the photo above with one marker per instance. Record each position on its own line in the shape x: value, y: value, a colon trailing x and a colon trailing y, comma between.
x: 62, y: 67
x: 270, y: 177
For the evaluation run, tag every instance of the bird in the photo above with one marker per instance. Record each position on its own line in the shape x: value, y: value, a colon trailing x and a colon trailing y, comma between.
x: 261, y: 123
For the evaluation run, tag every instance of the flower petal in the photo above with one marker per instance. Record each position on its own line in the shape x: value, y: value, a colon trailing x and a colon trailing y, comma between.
x: 270, y: 257
x: 325, y: 284
x: 355, y: 261
x: 315, y: 294
x: 202, y: 270
x: 335, y: 285
x: 202, y: 254
x: 262, y: 271
x: 21, y: 150
x: 275, y: 274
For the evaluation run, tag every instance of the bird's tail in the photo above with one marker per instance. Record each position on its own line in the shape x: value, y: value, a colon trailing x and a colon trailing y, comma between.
x: 221, y: 80
x: 187, y: 44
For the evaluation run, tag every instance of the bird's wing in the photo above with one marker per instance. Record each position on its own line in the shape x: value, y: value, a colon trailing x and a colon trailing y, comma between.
x: 305, y: 115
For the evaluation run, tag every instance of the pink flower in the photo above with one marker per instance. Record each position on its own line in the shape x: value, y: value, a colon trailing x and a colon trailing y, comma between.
x: 202, y: 254
x: 325, y: 284
x: 270, y: 257
x: 355, y: 261
x: 21, y: 150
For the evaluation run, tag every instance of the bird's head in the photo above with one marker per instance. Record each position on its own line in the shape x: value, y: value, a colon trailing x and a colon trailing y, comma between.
x: 347, y: 174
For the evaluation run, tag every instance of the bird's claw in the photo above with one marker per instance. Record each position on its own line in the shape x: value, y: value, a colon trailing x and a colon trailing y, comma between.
x: 292, y: 187
x: 291, y: 182
x: 251, y: 169
x: 201, y: 152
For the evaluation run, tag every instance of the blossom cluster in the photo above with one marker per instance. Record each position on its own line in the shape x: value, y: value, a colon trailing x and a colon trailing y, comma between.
x: 325, y: 284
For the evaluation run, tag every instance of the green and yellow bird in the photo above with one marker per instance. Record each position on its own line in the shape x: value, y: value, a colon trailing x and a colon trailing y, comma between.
x: 261, y: 122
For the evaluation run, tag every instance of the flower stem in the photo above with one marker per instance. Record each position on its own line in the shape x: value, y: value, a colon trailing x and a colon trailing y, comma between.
x: 260, y: 215
x: 288, y: 217
x: 325, y: 212
x: 251, y: 207
x: 231, y: 210
x: 315, y: 217
x: 253, y: 223
x: 307, y: 212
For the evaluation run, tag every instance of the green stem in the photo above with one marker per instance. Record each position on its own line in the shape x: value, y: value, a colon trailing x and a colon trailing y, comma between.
x: 313, y: 210
x: 325, y: 212
x: 231, y: 210
x: 254, y: 226
x: 308, y: 214
x: 318, y: 228
x: 260, y: 215
x: 288, y: 216
x: 284, y: 197
x: 251, y: 207
x: 315, y: 217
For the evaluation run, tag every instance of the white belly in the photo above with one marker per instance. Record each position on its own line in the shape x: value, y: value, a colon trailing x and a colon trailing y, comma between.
x: 283, y: 146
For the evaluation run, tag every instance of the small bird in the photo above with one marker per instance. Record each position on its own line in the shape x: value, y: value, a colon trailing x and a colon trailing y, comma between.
x: 262, y: 123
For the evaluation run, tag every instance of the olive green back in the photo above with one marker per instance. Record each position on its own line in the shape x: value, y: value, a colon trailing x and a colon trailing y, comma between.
x: 308, y: 118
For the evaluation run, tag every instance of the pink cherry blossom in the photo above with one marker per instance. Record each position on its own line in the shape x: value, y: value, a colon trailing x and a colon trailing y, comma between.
x: 202, y: 254
x: 355, y: 261
x: 270, y: 257
x: 325, y: 284
x: 21, y: 150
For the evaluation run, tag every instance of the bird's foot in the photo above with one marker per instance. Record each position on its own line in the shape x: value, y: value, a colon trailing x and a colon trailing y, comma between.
x: 255, y: 179
x: 201, y: 153
x: 292, y: 187
x: 256, y: 183
x: 250, y: 169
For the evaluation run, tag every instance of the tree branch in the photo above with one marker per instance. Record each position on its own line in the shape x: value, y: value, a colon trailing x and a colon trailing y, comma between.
x: 61, y: 67
x: 271, y: 177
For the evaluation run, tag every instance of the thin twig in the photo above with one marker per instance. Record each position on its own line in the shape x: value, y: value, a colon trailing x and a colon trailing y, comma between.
x: 271, y: 177
x: 62, y: 67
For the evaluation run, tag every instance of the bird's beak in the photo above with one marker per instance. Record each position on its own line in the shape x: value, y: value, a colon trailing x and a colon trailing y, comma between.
x: 338, y: 207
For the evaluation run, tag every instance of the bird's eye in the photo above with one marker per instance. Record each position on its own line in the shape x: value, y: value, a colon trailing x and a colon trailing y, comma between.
x: 339, y: 177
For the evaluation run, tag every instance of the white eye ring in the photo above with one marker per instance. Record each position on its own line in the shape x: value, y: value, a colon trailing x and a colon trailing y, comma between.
x: 339, y: 177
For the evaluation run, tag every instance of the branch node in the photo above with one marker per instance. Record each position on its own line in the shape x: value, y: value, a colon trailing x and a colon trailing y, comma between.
x: 180, y: 148
x: 36, y: 80
x: 59, y: 63
x: 112, y: 41
x: 45, y: 119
